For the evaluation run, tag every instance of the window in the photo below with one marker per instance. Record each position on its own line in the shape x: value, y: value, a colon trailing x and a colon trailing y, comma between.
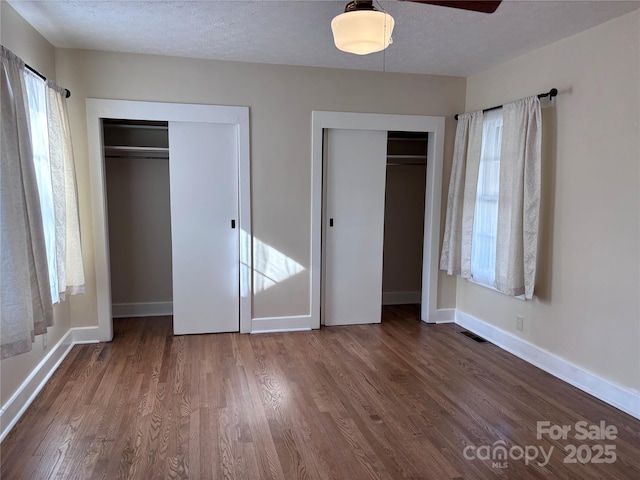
x: 55, y: 178
x: 491, y: 228
x: 485, y: 222
x: 36, y: 95
x: 41, y: 248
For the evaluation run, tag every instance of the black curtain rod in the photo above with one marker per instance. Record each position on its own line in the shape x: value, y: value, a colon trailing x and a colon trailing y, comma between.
x: 33, y: 70
x: 551, y: 93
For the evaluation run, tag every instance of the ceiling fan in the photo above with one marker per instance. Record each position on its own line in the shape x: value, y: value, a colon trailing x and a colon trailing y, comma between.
x: 483, y: 6
x: 362, y: 29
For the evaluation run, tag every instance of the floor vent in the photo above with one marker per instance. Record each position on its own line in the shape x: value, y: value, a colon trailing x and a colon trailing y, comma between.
x: 473, y: 336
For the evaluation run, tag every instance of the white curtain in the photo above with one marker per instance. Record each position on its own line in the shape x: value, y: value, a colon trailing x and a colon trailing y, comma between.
x: 40, y: 230
x: 456, y: 246
x: 519, y: 204
x: 69, y: 268
x: 491, y: 229
x: 25, y: 301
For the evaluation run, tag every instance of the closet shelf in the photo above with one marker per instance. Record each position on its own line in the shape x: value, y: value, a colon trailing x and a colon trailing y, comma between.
x: 120, y: 150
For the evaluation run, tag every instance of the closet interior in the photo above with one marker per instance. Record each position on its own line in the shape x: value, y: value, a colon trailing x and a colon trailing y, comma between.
x: 404, y: 217
x: 136, y: 159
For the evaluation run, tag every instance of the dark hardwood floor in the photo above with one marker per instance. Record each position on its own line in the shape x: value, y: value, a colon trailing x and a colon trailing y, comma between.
x: 398, y: 400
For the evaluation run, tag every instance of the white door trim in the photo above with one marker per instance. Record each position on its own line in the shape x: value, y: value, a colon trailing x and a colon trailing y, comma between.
x: 177, y: 112
x: 371, y: 121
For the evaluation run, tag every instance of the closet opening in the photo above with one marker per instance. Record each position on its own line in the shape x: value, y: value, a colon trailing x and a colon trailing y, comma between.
x: 136, y: 167
x: 404, y: 215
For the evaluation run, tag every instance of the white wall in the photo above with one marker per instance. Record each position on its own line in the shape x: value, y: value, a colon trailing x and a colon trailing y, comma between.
x: 281, y: 99
x: 587, y: 308
x: 19, y: 37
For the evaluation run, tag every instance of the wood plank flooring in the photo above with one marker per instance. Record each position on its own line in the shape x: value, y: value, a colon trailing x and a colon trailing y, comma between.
x: 398, y: 400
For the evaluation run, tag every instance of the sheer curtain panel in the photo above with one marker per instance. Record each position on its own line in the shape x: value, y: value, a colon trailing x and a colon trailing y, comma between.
x: 456, y: 247
x: 24, y: 281
x: 519, y: 204
x: 69, y: 268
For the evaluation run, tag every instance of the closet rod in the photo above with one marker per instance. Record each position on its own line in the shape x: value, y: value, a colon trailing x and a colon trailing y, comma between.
x: 33, y: 70
x: 551, y: 93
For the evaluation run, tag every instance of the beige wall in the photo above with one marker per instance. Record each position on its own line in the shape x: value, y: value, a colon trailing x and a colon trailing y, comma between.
x: 281, y: 99
x: 19, y: 37
x: 587, y: 307
x: 23, y: 40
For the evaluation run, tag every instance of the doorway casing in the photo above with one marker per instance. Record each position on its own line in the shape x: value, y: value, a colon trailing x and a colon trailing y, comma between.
x: 432, y: 125
x: 97, y: 109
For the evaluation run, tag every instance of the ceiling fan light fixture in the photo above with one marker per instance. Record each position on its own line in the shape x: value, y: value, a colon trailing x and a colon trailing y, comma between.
x: 362, y: 31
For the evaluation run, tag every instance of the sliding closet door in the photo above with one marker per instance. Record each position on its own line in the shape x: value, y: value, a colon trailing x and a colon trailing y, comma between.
x: 203, y: 160
x: 355, y: 162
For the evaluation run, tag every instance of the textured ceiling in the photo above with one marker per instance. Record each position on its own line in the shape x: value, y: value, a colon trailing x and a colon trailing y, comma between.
x: 426, y: 39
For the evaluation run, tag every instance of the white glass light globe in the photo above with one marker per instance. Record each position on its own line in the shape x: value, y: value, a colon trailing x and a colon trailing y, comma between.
x: 362, y: 31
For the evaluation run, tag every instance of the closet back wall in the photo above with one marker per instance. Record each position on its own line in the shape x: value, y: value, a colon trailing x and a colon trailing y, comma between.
x: 139, y: 230
x: 137, y: 178
x: 403, y: 227
x: 404, y: 217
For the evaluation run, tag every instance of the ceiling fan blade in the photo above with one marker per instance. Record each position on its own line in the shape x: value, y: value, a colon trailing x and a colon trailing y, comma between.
x: 483, y: 6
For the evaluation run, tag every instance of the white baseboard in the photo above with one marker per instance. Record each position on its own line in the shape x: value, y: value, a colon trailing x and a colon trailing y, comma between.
x: 625, y: 399
x: 401, y: 298
x: 443, y: 315
x: 142, y: 309
x: 85, y: 335
x: 281, y: 324
x: 15, y: 407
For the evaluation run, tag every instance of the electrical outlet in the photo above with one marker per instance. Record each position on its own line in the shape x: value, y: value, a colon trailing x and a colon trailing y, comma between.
x: 44, y: 341
x: 520, y: 323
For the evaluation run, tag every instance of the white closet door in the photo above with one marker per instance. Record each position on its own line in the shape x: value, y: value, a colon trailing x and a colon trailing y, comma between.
x: 354, y: 202
x: 203, y: 167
